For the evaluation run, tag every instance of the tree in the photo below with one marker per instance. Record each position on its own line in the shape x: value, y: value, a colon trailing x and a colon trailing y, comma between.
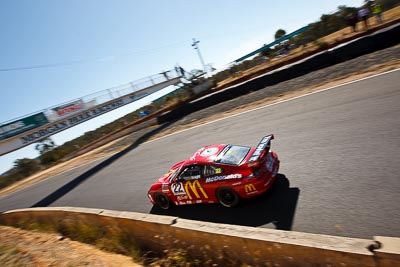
x: 280, y: 33
x: 46, y: 149
x: 345, y: 11
x: 45, y: 145
x: 267, y: 52
x: 25, y: 167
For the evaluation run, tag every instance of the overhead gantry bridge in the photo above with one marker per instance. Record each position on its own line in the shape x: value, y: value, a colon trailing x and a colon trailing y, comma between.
x: 32, y: 128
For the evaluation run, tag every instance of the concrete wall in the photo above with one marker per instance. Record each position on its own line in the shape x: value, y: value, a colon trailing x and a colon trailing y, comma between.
x: 233, y: 245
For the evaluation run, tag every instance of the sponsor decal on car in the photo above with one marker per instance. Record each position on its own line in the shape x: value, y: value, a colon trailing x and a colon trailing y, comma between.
x: 223, y: 177
x: 182, y: 197
x: 164, y: 188
x: 270, y: 163
x: 192, y: 186
x: 250, y: 188
x: 260, y: 147
x: 209, y: 151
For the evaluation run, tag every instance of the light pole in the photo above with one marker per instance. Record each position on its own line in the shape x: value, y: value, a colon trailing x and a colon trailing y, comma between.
x: 196, y: 47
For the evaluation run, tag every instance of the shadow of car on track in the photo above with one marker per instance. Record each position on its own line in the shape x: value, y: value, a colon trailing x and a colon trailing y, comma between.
x: 276, y: 206
x: 72, y: 184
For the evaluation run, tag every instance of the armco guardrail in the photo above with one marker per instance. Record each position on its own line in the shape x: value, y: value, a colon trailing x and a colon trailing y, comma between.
x: 226, y: 244
x: 374, y: 42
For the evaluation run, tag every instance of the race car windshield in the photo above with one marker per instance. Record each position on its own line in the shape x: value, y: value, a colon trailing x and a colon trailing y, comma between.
x: 232, y: 154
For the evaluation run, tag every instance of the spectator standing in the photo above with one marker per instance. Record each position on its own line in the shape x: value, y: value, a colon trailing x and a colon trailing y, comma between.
x: 352, y: 21
x: 369, y: 4
x: 363, y: 14
x: 377, y: 10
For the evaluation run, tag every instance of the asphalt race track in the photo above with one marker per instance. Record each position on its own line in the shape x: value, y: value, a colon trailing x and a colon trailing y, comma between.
x: 340, y: 166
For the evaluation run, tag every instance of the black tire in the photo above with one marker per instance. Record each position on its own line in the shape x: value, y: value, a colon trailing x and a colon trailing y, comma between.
x: 227, y: 197
x: 162, y: 201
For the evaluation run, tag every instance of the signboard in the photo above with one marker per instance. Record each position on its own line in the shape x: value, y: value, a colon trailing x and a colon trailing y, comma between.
x: 73, y: 114
x: 22, y: 125
x: 68, y: 109
x: 72, y: 121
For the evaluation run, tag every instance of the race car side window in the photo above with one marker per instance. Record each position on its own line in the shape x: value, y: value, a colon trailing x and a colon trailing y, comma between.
x: 211, y: 170
x: 191, y: 173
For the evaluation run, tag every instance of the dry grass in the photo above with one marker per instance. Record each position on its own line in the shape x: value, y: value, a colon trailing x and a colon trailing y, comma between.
x: 59, y: 234
x: 14, y: 257
x: 34, y: 248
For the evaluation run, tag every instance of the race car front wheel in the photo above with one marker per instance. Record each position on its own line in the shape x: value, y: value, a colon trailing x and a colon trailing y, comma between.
x: 162, y: 200
x: 227, y: 197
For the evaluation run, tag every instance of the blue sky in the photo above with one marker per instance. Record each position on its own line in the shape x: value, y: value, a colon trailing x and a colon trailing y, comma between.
x: 98, y: 44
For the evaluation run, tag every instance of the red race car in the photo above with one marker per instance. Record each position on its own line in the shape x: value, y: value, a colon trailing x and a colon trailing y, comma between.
x: 218, y: 173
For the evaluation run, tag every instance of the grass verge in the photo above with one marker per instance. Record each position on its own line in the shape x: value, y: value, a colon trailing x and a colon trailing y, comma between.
x: 113, y: 237
x: 14, y: 257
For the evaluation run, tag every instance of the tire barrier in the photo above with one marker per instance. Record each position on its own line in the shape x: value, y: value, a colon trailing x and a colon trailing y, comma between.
x: 379, y: 40
x: 230, y: 245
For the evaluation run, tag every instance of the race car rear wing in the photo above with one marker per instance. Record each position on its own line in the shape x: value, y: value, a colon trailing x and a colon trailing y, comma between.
x: 262, y: 147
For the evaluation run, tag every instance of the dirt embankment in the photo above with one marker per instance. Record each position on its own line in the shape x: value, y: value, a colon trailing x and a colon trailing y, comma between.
x: 28, y: 248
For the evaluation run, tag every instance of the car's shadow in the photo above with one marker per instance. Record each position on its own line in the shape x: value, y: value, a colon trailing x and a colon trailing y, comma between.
x: 277, y: 206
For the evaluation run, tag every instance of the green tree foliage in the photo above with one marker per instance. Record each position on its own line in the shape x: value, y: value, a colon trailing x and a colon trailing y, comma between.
x: 279, y: 34
x: 45, y: 146
x: 26, y: 167
x: 22, y: 168
x: 267, y: 53
x: 46, y: 151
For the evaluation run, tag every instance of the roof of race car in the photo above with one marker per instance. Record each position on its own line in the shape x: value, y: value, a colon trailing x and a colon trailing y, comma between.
x: 228, y: 154
x: 206, y: 154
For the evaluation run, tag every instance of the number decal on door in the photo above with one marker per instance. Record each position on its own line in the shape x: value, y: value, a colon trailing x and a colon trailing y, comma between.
x: 178, y: 189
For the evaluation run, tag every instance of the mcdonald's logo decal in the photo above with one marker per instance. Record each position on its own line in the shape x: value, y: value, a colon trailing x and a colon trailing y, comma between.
x: 193, y: 186
x: 249, y: 188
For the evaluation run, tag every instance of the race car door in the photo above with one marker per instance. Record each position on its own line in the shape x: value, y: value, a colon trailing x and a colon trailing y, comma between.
x: 191, y: 182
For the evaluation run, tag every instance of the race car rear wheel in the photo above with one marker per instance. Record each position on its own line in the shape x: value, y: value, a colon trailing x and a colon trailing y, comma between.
x: 162, y: 200
x: 227, y: 197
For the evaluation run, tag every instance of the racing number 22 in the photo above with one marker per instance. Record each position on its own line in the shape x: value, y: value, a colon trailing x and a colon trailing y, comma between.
x: 177, y: 189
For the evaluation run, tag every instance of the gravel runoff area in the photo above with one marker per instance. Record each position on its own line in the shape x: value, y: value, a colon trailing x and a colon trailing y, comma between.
x: 363, y: 66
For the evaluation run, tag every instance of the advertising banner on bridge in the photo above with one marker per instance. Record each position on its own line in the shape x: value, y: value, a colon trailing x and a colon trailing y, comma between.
x: 68, y: 109
x: 80, y: 117
x: 74, y: 113
x: 22, y: 125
